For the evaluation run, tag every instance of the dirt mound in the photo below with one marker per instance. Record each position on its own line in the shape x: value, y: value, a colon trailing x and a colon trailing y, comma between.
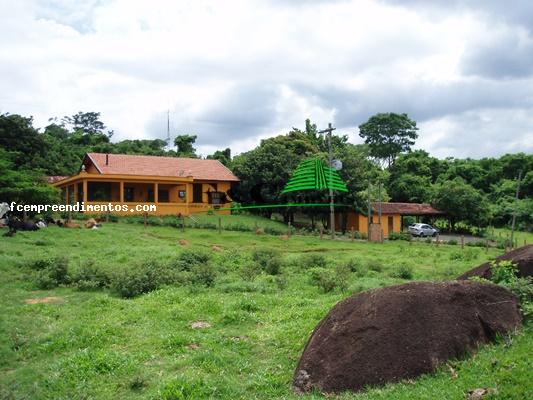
x: 400, y: 332
x: 523, y: 257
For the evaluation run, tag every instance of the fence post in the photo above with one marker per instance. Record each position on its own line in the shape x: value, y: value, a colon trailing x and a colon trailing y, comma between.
x: 462, y: 241
x: 353, y: 233
x: 219, y: 225
x: 289, y: 226
x: 486, y: 245
x: 438, y: 239
x: 183, y: 223
x: 321, y: 233
x: 145, y: 219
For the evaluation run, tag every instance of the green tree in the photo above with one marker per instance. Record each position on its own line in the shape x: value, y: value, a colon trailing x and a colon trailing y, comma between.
x: 224, y: 156
x: 184, y: 144
x: 461, y: 203
x: 388, y: 134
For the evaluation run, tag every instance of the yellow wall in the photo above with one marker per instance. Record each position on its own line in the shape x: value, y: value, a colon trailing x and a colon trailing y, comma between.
x: 360, y: 222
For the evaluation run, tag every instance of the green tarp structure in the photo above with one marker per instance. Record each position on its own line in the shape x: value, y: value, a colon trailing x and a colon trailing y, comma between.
x: 314, y: 175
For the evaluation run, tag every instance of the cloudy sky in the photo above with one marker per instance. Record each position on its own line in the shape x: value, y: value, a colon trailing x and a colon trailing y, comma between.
x: 236, y: 71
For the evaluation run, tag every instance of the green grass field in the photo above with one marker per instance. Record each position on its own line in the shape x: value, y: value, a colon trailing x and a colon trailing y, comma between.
x: 97, y: 345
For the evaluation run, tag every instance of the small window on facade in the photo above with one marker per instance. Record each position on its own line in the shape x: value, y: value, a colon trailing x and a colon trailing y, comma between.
x: 162, y: 196
x: 128, y: 194
x: 216, y: 197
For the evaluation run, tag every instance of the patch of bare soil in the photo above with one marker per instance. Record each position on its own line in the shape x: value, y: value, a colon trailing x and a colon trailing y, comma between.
x: 523, y: 257
x: 50, y: 299
x: 400, y: 332
x: 200, y: 325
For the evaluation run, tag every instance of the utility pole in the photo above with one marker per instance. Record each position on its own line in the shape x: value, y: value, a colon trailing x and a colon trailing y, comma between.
x: 331, y: 200
x: 515, y: 206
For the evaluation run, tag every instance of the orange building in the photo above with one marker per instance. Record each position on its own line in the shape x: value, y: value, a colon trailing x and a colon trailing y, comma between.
x: 175, y: 185
x: 391, y: 216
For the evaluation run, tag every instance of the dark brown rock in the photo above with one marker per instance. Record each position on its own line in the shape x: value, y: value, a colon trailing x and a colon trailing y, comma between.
x: 400, y: 332
x: 523, y: 257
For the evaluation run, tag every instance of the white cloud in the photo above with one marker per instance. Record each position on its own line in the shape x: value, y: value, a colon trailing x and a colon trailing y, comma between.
x: 239, y: 70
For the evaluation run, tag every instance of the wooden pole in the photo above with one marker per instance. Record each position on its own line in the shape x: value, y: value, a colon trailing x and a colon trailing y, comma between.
x: 289, y: 227
x: 515, y: 206
x: 145, y: 219
x: 462, y: 241
x: 321, y: 233
x: 219, y: 225
x: 438, y: 239
x: 353, y: 233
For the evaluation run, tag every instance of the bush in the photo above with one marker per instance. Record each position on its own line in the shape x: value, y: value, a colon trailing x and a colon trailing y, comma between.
x: 203, y: 274
x: 313, y: 260
x: 189, y: 258
x: 452, y: 242
x: 375, y: 265
x: 503, y: 272
x: 52, y: 273
x: 268, y: 260
x: 323, y: 278
x: 249, y: 272
x: 140, y: 279
x: 404, y: 271
x: 354, y: 265
x: 89, y: 277
x: 399, y: 236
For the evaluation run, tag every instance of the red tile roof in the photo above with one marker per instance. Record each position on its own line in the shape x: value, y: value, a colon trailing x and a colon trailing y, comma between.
x: 406, y: 209
x: 123, y: 164
x: 55, y: 178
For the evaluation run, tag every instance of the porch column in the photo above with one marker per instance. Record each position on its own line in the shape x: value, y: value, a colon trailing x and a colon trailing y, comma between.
x: 122, y: 191
x: 85, y: 191
x: 75, y: 192
x: 66, y: 194
x: 156, y: 192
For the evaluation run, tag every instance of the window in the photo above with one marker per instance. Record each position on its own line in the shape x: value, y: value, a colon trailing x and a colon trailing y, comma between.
x: 151, y: 195
x: 99, y: 191
x: 181, y: 194
x: 197, y: 193
x: 162, y: 196
x: 128, y: 194
x: 216, y: 197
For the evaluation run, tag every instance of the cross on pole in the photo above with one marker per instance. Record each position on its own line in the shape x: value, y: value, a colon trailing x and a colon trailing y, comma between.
x: 331, y: 201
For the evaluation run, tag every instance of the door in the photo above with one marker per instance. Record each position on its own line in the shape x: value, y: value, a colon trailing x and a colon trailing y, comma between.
x: 197, y: 193
x: 390, y: 221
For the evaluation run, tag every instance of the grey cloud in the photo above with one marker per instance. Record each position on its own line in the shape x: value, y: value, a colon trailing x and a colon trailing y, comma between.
x: 509, y: 57
x: 243, y: 112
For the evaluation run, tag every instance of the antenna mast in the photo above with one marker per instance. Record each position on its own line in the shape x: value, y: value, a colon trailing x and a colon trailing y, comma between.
x: 168, y: 128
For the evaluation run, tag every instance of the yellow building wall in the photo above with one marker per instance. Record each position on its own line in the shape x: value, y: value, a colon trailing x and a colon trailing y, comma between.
x: 359, y: 222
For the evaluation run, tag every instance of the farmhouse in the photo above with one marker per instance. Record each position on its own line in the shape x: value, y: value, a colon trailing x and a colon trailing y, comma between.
x: 175, y: 185
x: 391, y: 216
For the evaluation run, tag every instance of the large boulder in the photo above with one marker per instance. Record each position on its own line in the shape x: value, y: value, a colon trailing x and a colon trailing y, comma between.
x: 400, y: 332
x: 523, y: 257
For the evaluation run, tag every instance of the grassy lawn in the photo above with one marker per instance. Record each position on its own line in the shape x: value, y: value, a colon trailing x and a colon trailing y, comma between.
x: 96, y: 345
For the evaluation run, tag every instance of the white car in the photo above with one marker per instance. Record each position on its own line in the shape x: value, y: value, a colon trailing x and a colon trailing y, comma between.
x: 422, y: 230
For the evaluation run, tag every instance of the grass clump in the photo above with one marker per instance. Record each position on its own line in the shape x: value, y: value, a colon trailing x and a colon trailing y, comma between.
x: 142, y: 278
x: 404, y: 271
x: 52, y: 273
x: 89, y: 277
x: 375, y: 265
x: 268, y: 260
x: 313, y: 260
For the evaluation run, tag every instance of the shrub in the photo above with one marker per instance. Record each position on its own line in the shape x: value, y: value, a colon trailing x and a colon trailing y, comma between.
x: 503, y: 272
x: 189, y: 258
x: 404, y: 271
x: 89, y: 277
x: 375, y: 265
x: 313, y: 260
x: 342, y: 275
x: 140, y: 279
x: 354, y: 265
x: 203, y: 274
x: 452, y: 242
x: 399, y: 236
x: 249, y: 272
x: 268, y: 260
x: 323, y: 278
x: 54, y: 273
x: 523, y: 289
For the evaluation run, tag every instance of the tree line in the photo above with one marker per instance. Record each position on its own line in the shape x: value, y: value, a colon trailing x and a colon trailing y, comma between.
x: 472, y: 192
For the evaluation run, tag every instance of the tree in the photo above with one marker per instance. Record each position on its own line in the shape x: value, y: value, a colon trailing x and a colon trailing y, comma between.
x: 184, y: 143
x: 86, y: 122
x: 224, y: 156
x: 388, y: 134
x: 461, y: 203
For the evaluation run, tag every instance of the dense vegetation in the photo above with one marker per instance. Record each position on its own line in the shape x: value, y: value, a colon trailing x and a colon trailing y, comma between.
x: 472, y: 192
x: 131, y: 312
